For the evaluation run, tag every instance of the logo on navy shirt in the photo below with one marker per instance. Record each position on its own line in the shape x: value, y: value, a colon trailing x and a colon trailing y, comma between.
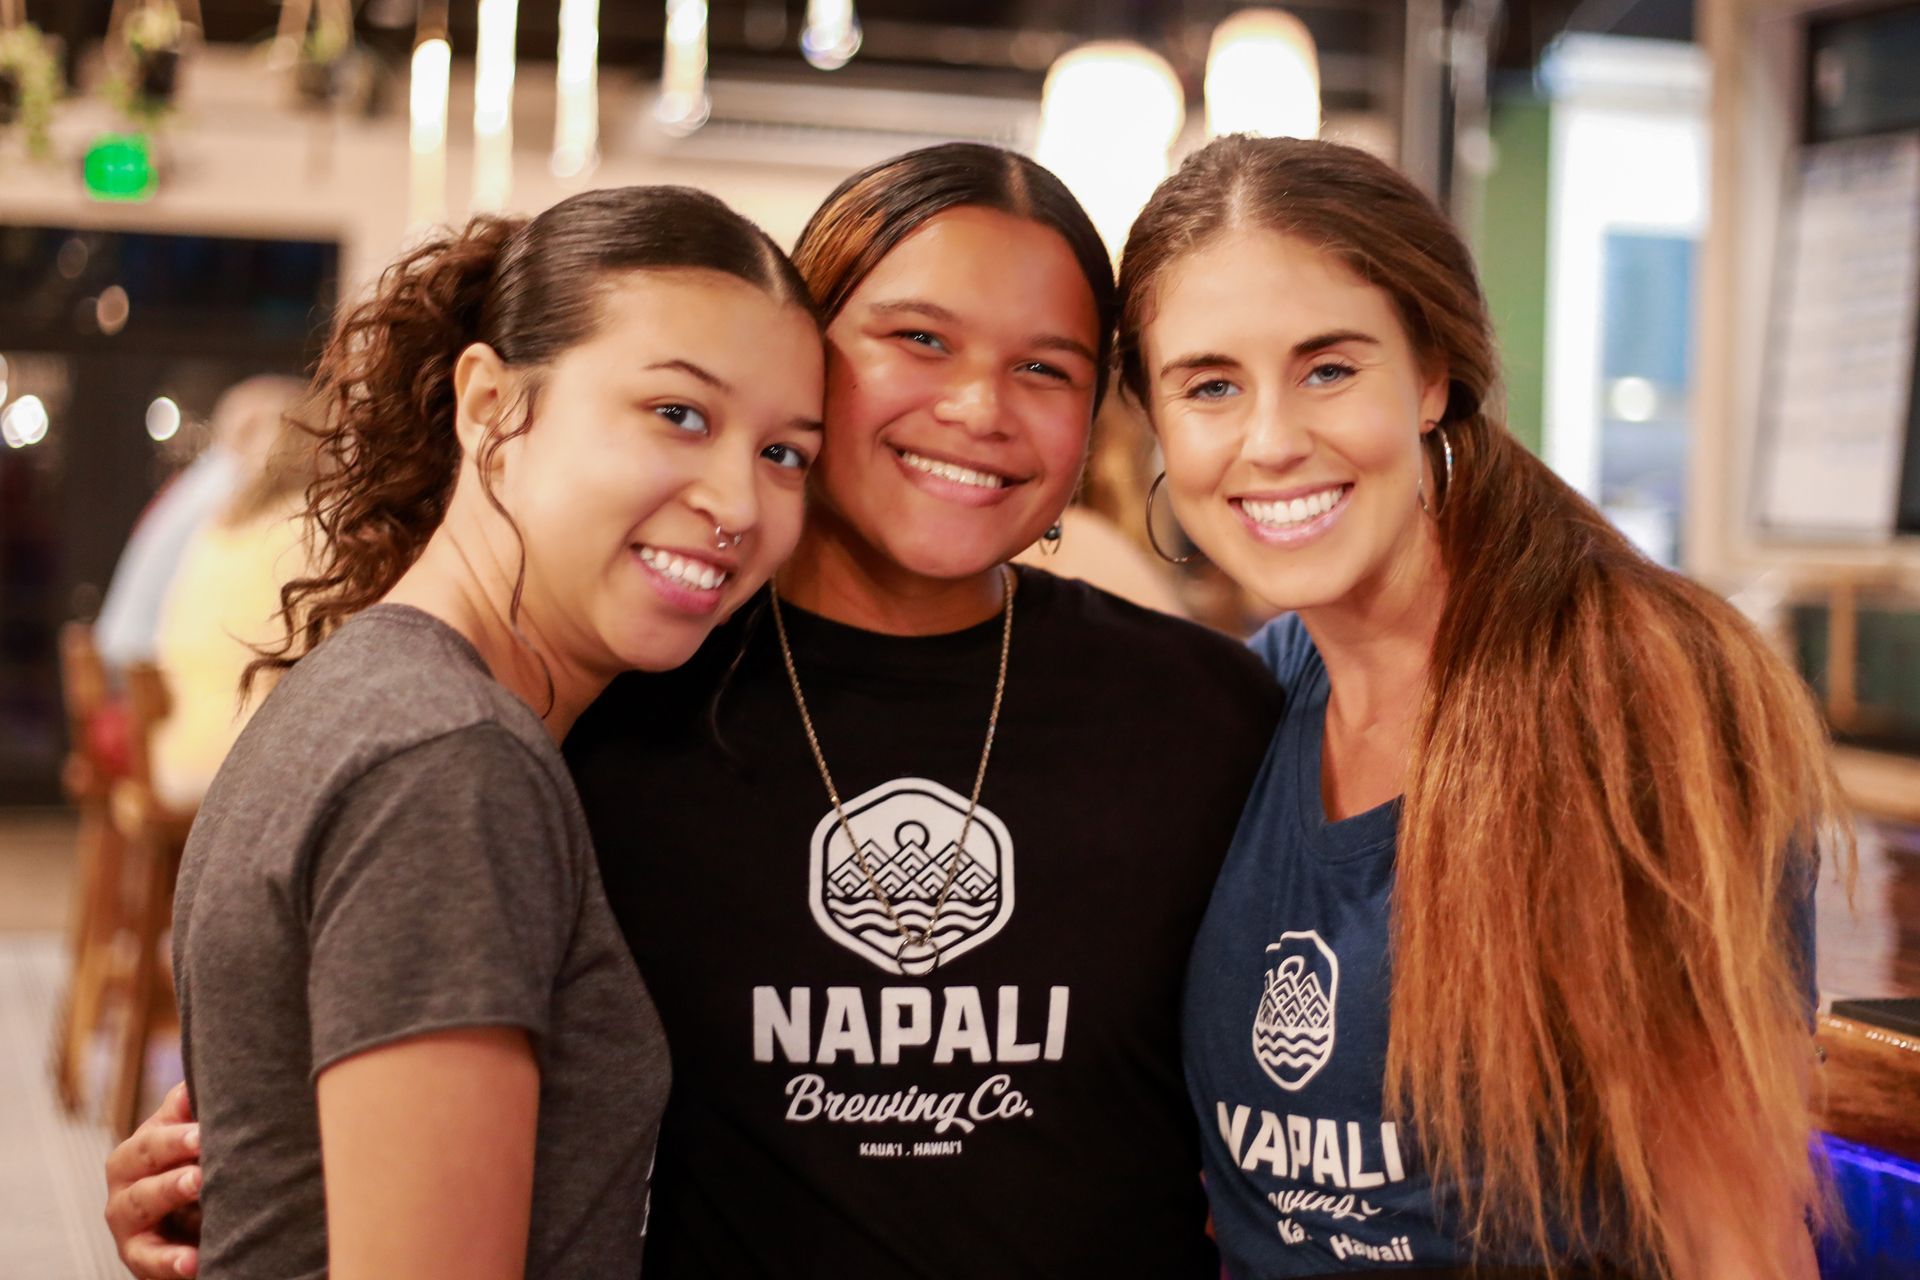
x: 1293, y: 1029
x: 910, y: 834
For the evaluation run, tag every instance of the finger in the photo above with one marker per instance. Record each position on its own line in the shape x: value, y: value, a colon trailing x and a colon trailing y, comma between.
x: 150, y: 1257
x: 139, y: 1207
x: 154, y: 1148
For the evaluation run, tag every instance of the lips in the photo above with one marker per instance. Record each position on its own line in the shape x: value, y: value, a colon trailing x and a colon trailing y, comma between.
x: 687, y: 580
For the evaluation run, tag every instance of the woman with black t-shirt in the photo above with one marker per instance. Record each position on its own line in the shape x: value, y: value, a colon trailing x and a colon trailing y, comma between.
x: 912, y: 853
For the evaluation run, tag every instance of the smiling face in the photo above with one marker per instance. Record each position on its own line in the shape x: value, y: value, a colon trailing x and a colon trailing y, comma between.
x: 959, y: 395
x: 1290, y: 404
x: 694, y: 403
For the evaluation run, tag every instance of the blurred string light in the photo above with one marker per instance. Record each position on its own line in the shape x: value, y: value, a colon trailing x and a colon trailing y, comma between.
x: 3, y: 379
x: 832, y: 34
x: 683, y: 105
x: 163, y: 420
x: 24, y: 422
x: 1108, y: 115
x: 112, y: 309
x: 427, y: 129
x: 493, y: 64
x: 576, y: 121
x: 1263, y: 76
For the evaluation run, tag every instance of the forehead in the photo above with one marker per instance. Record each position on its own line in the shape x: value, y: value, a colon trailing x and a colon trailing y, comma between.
x: 1270, y: 281
x: 723, y: 323
x: 976, y: 261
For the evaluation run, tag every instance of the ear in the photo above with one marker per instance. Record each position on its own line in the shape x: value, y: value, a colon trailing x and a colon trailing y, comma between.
x: 1433, y: 400
x: 481, y: 391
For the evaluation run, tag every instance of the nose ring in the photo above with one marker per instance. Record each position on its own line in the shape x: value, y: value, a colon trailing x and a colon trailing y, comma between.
x: 724, y: 541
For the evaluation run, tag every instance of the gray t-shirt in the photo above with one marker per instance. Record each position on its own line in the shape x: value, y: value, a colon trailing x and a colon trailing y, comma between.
x: 393, y: 848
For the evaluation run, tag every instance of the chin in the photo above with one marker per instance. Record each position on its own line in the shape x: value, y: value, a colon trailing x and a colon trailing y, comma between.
x: 950, y: 558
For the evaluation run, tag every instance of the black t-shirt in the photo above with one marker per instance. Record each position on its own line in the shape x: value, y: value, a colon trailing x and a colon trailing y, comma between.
x: 1019, y: 1110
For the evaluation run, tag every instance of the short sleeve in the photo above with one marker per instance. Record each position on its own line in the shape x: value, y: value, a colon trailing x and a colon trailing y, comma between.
x: 444, y: 894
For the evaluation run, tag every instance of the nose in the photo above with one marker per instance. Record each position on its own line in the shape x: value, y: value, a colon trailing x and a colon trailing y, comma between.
x: 1276, y: 436
x: 726, y: 492
x: 971, y: 402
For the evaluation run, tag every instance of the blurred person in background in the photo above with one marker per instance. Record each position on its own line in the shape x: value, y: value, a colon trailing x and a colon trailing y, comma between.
x: 245, y: 425
x: 224, y: 598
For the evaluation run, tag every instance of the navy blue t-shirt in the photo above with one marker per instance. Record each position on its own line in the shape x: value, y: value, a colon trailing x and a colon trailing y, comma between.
x: 1285, y: 1021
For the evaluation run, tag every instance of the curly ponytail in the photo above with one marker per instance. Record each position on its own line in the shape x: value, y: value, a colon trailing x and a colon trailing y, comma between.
x: 528, y: 288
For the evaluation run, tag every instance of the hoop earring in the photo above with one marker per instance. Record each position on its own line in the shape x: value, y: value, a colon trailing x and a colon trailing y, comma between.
x: 1050, y: 540
x: 1153, y: 491
x: 1420, y: 485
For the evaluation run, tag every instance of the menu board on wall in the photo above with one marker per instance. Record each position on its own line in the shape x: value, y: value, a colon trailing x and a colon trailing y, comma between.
x: 1841, y: 349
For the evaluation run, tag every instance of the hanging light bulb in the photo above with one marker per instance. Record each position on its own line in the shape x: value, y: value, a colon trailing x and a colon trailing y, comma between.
x: 832, y: 34
x: 1108, y: 115
x: 1263, y: 77
x: 576, y: 122
x: 427, y: 130
x: 493, y: 65
x: 683, y: 105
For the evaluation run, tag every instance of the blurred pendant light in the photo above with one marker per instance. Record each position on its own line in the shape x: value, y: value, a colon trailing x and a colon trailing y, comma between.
x: 1108, y: 115
x: 832, y: 34
x: 493, y: 64
x: 683, y: 104
x: 576, y: 121
x: 1263, y: 76
x: 427, y: 95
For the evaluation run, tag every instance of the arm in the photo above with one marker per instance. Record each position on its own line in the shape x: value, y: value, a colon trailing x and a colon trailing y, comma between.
x: 428, y: 1149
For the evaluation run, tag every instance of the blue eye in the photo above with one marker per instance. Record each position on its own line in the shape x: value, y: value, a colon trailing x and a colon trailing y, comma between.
x: 1335, y: 373
x: 685, y: 417
x: 1212, y: 389
x: 785, y: 455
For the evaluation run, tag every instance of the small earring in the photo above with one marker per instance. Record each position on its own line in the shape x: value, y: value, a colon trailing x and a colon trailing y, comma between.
x: 1050, y: 540
x: 1153, y: 491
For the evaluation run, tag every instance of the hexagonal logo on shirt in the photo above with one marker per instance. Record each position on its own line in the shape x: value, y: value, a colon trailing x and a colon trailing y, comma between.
x: 1293, y: 1028
x: 910, y: 839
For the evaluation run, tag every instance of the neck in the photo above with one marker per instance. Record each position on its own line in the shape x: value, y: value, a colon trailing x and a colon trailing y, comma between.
x: 838, y: 575
x: 465, y: 578
x: 1377, y: 641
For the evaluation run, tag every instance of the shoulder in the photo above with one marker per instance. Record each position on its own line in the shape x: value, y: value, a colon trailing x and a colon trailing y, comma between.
x: 1285, y: 649
x: 1197, y: 661
x: 384, y: 687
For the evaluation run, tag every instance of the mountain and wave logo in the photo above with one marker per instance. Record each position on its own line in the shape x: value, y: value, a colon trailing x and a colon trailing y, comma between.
x: 1293, y: 1029
x: 909, y: 832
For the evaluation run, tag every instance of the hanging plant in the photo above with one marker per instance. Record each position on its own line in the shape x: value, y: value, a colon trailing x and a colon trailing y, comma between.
x: 29, y: 85
x: 147, y: 74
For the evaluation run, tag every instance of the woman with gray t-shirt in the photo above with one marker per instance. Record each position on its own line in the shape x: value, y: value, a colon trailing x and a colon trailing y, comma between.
x: 551, y: 456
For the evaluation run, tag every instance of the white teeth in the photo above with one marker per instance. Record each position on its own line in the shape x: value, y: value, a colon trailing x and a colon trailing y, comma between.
x: 689, y: 573
x: 953, y: 472
x: 1285, y: 512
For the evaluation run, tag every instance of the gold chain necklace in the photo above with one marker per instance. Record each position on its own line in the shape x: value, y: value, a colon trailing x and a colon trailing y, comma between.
x: 910, y: 938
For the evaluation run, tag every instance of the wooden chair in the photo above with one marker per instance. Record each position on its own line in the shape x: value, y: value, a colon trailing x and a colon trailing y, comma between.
x: 153, y: 838
x: 94, y: 920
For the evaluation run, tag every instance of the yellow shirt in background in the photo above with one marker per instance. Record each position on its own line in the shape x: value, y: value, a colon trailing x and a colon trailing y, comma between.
x: 225, y: 596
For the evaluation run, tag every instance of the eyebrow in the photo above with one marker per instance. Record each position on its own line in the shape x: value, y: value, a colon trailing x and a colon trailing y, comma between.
x: 934, y: 311
x: 1319, y: 342
x: 713, y: 380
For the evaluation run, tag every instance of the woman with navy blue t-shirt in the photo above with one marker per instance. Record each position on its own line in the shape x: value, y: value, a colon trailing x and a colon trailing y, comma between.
x: 1507, y: 964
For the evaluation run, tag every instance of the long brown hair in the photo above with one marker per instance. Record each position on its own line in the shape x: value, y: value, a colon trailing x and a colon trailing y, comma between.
x: 528, y: 288
x: 1614, y: 801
